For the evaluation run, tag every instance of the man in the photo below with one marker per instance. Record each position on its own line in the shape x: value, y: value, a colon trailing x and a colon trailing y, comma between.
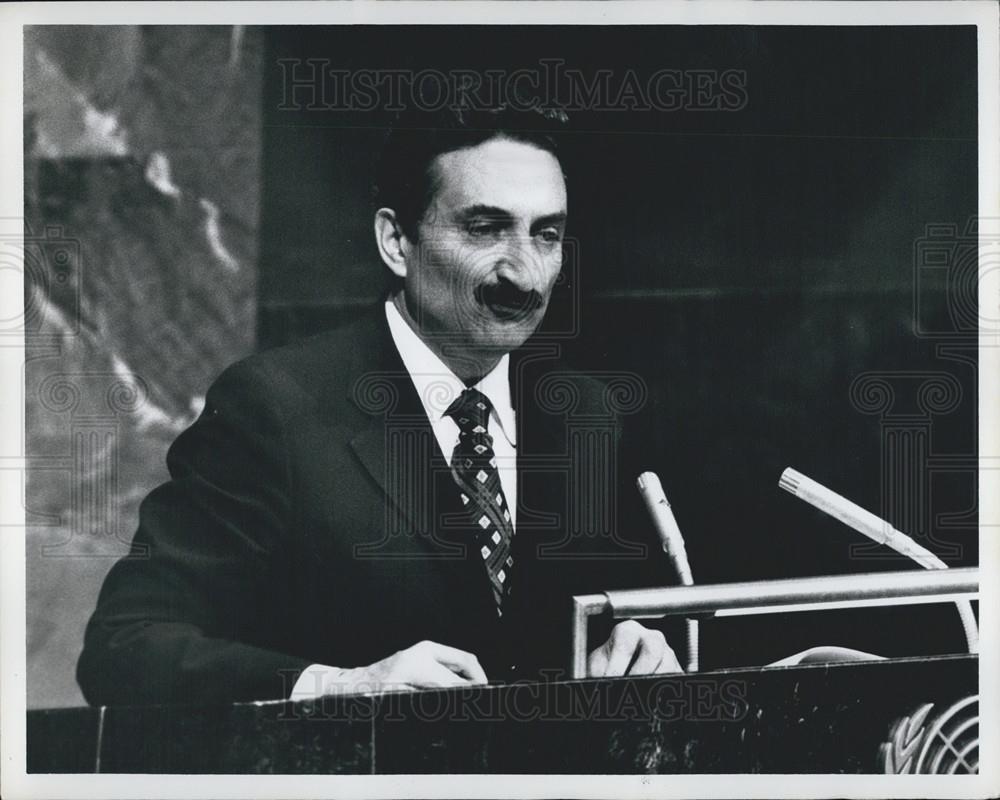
x: 372, y: 509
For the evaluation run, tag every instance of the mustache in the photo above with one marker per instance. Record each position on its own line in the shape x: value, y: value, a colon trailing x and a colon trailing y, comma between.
x: 508, y: 299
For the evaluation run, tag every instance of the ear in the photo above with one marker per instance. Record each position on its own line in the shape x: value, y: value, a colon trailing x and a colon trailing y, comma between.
x: 391, y: 241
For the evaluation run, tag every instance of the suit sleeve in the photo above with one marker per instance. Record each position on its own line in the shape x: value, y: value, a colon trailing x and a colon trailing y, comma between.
x: 175, y: 619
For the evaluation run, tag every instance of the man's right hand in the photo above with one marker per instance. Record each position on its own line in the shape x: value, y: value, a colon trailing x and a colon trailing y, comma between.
x: 425, y: 665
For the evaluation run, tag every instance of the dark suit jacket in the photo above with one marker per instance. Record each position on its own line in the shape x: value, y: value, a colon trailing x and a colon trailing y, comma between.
x: 311, y: 517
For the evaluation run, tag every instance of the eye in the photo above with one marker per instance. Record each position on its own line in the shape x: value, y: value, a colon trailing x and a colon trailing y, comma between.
x: 549, y: 235
x: 482, y: 228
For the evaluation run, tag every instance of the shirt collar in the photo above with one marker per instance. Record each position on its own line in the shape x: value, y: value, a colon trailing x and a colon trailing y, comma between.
x: 438, y: 386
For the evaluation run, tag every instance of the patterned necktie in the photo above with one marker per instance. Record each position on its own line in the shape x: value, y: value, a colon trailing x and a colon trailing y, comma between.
x: 474, y: 467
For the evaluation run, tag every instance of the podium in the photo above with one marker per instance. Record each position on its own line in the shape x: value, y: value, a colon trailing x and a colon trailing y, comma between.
x: 898, y: 715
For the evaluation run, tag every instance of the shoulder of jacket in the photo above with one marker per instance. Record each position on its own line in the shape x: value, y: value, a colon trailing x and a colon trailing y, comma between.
x: 308, y: 370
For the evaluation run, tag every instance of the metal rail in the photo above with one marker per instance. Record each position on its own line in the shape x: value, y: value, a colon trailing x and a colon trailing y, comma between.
x: 771, y: 597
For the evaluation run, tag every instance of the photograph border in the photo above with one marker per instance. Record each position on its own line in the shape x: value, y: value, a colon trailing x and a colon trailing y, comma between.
x: 17, y: 784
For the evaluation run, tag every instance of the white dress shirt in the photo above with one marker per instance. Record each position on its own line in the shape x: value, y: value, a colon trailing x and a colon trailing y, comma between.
x: 438, y: 387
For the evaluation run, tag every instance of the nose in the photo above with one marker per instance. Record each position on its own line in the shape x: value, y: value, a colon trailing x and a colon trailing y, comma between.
x: 518, y: 262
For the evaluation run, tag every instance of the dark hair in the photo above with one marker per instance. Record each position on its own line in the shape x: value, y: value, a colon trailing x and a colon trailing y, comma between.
x: 404, y: 180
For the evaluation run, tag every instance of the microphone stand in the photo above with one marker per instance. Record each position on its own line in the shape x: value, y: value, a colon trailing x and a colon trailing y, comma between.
x: 673, y: 545
x: 876, y: 528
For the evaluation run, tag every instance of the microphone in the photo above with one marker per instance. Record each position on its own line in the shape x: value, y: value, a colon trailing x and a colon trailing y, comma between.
x: 876, y: 528
x: 665, y: 524
x: 672, y: 542
x: 854, y: 516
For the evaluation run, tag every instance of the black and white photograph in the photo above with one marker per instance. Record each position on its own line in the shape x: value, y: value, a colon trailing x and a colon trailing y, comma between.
x: 556, y: 399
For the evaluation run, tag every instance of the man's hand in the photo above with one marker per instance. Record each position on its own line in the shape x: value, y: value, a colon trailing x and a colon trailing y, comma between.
x: 632, y: 650
x: 425, y: 665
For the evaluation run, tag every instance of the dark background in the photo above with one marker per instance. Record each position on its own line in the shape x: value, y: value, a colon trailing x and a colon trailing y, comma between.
x: 748, y: 265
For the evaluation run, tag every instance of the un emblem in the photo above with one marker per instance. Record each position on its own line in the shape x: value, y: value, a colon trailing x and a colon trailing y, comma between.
x: 943, y: 744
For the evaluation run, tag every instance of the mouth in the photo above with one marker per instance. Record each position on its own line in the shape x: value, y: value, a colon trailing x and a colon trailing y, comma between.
x: 508, y: 301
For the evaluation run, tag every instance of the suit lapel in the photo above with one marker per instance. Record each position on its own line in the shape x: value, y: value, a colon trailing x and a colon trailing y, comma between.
x: 541, y: 446
x: 397, y: 447
x: 542, y: 481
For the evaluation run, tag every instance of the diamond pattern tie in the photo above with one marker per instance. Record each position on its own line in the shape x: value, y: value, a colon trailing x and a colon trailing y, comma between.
x: 474, y: 467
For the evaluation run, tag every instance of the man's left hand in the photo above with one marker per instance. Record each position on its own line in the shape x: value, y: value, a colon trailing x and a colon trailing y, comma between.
x: 632, y: 650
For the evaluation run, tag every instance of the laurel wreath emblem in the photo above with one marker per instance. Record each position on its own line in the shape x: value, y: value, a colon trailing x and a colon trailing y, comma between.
x: 947, y: 744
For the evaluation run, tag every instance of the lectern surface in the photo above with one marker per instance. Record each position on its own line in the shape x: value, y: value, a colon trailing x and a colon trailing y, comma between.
x: 805, y: 719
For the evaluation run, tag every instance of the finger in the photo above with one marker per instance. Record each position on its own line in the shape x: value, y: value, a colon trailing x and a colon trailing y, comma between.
x: 434, y: 675
x: 652, y: 648
x: 669, y: 663
x: 624, y: 640
x: 460, y: 661
x: 597, y: 663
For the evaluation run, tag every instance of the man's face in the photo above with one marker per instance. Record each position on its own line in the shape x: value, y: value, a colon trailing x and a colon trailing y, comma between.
x: 489, y: 249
